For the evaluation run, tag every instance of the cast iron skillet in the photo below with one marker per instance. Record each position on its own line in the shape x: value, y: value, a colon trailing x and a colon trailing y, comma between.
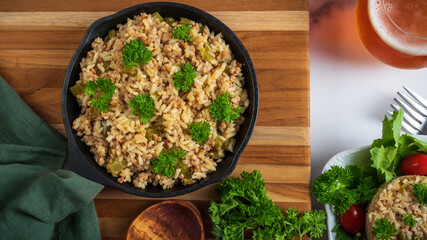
x: 81, y: 161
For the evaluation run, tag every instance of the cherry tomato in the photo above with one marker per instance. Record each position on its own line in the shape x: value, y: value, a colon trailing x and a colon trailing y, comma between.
x: 415, y: 164
x: 353, y: 220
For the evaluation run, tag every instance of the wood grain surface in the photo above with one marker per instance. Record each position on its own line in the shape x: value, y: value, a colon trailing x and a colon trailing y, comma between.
x: 38, y: 39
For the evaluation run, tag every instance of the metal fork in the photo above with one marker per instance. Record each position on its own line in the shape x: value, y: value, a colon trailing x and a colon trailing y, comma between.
x: 415, y: 118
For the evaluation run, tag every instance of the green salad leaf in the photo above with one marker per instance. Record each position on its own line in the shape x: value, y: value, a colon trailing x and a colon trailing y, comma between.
x: 143, y: 105
x: 244, y: 205
x: 343, y: 235
x: 166, y: 162
x: 135, y: 53
x: 222, y: 110
x: 388, y: 152
x: 102, y: 91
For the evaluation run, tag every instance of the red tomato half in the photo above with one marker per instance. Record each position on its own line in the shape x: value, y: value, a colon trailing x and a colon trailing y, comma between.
x: 415, y: 164
x: 353, y: 220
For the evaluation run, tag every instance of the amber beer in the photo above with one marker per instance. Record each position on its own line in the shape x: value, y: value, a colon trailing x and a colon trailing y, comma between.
x: 394, y: 31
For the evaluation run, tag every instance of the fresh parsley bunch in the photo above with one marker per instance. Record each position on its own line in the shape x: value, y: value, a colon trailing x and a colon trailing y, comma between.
x: 166, y: 162
x: 135, y: 53
x: 222, y: 110
x: 200, y: 131
x: 182, y: 32
x: 102, y: 91
x: 342, y: 187
x: 244, y: 205
x: 420, y: 192
x: 384, y: 229
x: 184, y: 79
x: 143, y: 105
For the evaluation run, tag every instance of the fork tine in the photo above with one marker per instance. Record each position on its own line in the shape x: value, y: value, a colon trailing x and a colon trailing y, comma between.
x: 413, y: 123
x: 406, y: 127
x: 409, y: 110
x: 415, y: 105
x: 417, y: 97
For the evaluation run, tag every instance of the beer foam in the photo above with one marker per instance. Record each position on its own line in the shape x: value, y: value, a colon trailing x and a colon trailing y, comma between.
x: 390, y: 34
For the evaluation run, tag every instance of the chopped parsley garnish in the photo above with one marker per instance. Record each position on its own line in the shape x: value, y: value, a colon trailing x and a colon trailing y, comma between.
x: 184, y: 79
x: 409, y: 220
x: 222, y: 110
x: 244, y: 205
x: 182, y: 32
x: 384, y: 229
x: 166, y: 162
x: 420, y: 192
x: 102, y: 90
x: 135, y: 53
x: 200, y: 131
x: 143, y: 105
x: 342, y: 187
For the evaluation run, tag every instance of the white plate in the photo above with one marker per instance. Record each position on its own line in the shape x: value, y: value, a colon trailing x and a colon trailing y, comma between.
x: 358, y: 157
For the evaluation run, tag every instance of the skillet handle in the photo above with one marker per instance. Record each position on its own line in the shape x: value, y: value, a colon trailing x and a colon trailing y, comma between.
x: 76, y: 162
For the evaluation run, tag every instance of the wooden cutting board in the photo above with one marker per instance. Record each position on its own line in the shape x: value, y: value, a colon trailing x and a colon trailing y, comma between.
x: 38, y: 39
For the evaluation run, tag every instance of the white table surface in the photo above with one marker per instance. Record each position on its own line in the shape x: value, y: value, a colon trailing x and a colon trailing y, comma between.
x: 350, y: 90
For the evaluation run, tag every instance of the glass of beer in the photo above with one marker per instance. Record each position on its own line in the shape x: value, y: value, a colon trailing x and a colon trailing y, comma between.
x: 394, y: 31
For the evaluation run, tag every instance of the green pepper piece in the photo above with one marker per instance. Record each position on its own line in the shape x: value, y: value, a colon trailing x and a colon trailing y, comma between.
x: 115, y: 166
x: 156, y: 96
x: 227, y: 144
x: 226, y: 69
x: 187, y: 175
x: 111, y: 34
x: 94, y: 112
x: 185, y: 21
x: 105, y: 128
x: 107, y: 65
x: 202, y: 29
x: 149, y: 132
x: 132, y: 70
x: 218, y: 143
x: 184, y: 170
x: 206, y: 55
x: 77, y: 89
x: 169, y: 20
x: 158, y: 16
x: 186, y: 181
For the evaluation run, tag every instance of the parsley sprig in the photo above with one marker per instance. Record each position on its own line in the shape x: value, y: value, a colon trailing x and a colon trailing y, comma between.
x: 184, y: 79
x: 420, y: 191
x: 135, y: 53
x: 222, y: 110
x: 384, y: 229
x: 200, y: 131
x: 143, y: 105
x: 102, y: 91
x: 166, y: 162
x: 342, y: 187
x: 182, y: 32
x: 244, y: 205
x: 409, y: 220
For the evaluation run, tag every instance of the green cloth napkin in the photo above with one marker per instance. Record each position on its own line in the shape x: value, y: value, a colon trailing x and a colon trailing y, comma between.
x: 38, y: 200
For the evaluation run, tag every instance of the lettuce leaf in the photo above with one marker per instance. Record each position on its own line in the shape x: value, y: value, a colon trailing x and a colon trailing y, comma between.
x: 388, y: 151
